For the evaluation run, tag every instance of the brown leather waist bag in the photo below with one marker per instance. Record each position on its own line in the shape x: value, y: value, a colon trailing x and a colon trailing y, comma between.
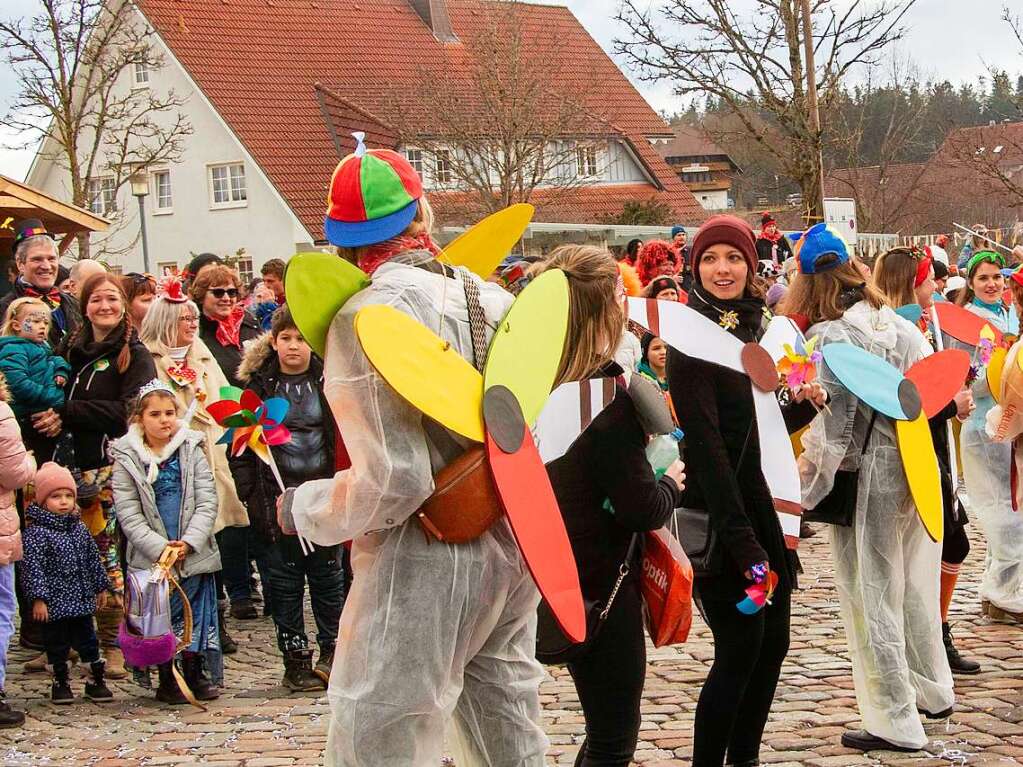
x: 464, y: 503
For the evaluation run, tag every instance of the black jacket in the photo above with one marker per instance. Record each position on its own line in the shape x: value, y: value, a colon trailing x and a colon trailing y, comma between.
x: 311, y: 452
x: 715, y: 410
x: 59, y: 338
x: 99, y: 397
x: 608, y: 462
x: 955, y: 514
x: 228, y: 357
x: 765, y: 249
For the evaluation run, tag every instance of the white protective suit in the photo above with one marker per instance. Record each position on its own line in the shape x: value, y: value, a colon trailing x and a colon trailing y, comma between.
x: 886, y: 567
x: 430, y: 630
x: 986, y: 468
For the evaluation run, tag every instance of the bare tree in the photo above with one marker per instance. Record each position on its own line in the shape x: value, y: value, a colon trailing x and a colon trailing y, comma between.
x: 890, y: 117
x: 496, y: 121
x: 750, y: 59
x: 73, y: 62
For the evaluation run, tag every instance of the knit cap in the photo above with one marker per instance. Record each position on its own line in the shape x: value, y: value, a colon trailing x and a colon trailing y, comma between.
x: 52, y: 477
x: 678, y: 228
x: 724, y: 229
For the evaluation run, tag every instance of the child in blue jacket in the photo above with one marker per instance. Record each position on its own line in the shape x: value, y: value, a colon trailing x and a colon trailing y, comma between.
x: 64, y: 581
x: 35, y: 375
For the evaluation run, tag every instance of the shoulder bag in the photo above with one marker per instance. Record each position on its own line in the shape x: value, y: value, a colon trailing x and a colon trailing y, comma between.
x: 838, y: 507
x: 552, y: 646
x: 464, y: 503
x: 697, y: 535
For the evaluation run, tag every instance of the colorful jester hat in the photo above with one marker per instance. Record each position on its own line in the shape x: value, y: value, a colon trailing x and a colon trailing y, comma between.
x: 497, y: 408
x: 820, y: 249
x: 910, y: 399
x: 374, y: 195
x: 250, y: 422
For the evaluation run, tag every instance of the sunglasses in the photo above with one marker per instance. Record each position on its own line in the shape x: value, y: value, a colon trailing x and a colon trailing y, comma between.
x: 221, y: 292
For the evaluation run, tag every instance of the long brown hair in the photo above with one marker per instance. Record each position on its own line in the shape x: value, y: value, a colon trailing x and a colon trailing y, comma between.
x: 818, y: 297
x: 895, y: 273
x: 85, y: 332
x: 595, y: 318
x: 966, y: 294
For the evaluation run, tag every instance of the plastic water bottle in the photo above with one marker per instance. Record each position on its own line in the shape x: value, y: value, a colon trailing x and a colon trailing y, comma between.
x: 662, y: 451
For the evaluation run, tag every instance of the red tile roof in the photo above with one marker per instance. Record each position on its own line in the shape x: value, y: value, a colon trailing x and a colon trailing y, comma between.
x: 259, y: 62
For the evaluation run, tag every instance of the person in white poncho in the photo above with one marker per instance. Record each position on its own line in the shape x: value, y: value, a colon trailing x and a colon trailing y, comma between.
x: 432, y: 633
x: 986, y: 463
x: 886, y: 567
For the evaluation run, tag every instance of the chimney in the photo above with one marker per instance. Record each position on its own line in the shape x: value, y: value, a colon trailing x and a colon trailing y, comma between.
x: 435, y: 14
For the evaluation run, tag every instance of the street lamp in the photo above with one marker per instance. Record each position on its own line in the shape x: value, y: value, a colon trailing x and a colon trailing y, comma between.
x: 139, y: 181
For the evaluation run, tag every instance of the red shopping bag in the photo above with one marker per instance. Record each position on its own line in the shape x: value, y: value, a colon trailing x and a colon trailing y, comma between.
x: 667, y: 582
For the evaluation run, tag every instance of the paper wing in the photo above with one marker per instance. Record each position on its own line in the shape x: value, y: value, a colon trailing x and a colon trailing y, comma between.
x: 938, y: 378
x: 921, y: 464
x: 570, y: 409
x: 872, y: 379
x: 317, y: 285
x: 963, y: 325
x: 423, y: 369
x: 481, y: 248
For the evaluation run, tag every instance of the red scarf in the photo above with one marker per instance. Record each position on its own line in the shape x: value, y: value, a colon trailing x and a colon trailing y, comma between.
x: 772, y: 237
x: 229, y: 329
x: 376, y: 255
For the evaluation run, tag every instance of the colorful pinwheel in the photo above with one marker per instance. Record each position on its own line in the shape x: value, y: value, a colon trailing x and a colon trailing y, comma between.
x: 250, y: 422
x: 759, y: 594
x: 799, y: 365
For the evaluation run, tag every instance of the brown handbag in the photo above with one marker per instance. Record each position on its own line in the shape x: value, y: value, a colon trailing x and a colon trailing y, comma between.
x: 464, y: 503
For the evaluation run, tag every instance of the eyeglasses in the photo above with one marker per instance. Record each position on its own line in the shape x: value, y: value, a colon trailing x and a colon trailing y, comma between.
x: 221, y: 292
x: 188, y: 319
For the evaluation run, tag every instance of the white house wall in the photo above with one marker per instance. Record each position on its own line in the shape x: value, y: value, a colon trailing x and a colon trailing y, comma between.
x: 265, y: 227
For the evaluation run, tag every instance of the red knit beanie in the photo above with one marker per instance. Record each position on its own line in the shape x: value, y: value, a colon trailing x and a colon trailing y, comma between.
x: 50, y: 478
x: 724, y: 230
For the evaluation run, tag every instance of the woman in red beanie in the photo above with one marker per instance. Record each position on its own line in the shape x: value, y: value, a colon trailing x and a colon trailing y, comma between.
x: 715, y: 408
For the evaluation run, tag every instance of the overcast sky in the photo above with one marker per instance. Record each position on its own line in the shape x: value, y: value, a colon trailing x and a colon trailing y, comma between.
x: 949, y: 39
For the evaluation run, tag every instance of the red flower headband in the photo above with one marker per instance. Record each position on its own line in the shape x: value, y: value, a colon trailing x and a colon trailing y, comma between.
x: 170, y: 289
x: 923, y: 266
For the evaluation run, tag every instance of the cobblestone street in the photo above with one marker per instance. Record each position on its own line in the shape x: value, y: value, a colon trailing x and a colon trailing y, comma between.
x: 257, y: 724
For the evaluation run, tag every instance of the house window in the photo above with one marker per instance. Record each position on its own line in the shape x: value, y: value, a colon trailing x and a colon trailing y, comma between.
x: 696, y: 177
x: 227, y: 186
x: 102, y: 195
x: 586, y: 161
x: 415, y: 159
x: 442, y: 173
x: 141, y: 74
x: 167, y: 269
x: 244, y: 267
x: 162, y: 191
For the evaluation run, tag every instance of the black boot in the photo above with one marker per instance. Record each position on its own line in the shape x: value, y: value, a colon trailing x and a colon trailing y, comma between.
x: 202, y: 688
x: 8, y: 716
x: 861, y: 740
x: 60, y: 691
x: 168, y: 691
x: 227, y: 645
x: 957, y: 662
x: 298, y: 672
x: 325, y: 663
x: 95, y: 688
x: 244, y: 610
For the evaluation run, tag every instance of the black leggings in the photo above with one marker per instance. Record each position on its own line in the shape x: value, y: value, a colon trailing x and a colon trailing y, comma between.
x: 955, y: 545
x: 737, y: 696
x: 609, y: 680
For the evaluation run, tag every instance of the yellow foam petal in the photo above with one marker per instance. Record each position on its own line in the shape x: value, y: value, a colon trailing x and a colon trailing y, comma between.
x: 921, y: 465
x: 995, y: 369
x: 317, y: 286
x: 423, y: 369
x: 483, y: 246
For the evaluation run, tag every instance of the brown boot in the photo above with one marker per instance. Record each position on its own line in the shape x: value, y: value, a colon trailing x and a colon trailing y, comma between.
x: 36, y: 665
x: 115, y: 663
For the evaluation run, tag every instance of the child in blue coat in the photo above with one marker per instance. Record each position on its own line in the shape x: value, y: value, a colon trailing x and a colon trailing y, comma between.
x: 65, y: 581
x: 35, y: 375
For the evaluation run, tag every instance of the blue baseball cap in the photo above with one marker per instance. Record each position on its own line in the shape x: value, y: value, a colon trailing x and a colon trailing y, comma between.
x: 820, y: 249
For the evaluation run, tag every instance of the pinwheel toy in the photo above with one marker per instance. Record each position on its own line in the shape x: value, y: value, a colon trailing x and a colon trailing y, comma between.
x: 799, y: 365
x: 759, y: 594
x: 910, y: 399
x: 254, y: 424
x: 693, y: 334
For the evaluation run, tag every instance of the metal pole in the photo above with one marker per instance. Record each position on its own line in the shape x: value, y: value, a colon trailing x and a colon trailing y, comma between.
x: 145, y: 240
x: 815, y: 115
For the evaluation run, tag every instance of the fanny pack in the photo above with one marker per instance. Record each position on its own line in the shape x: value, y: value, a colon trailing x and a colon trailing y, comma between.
x: 464, y: 503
